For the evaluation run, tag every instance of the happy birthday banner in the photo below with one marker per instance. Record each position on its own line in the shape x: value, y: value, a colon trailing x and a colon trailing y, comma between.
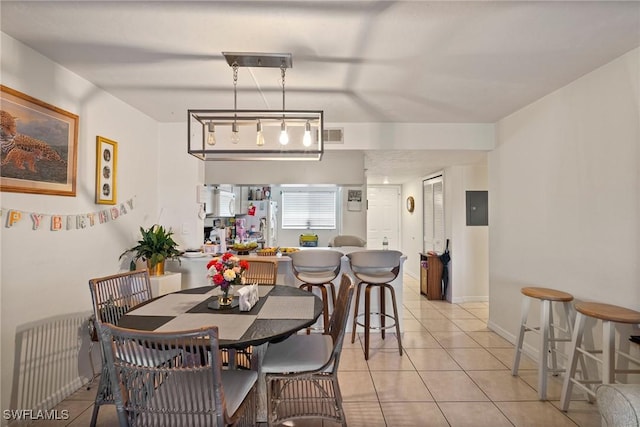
x: 66, y: 222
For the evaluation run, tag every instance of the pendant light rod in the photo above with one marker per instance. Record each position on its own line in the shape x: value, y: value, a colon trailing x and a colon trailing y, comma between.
x: 283, y: 71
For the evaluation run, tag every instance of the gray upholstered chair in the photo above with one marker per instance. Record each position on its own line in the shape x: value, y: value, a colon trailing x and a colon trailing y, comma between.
x: 113, y: 296
x: 302, y: 371
x: 188, y: 389
x: 346, y: 240
x: 318, y: 268
x: 619, y: 404
x: 376, y: 269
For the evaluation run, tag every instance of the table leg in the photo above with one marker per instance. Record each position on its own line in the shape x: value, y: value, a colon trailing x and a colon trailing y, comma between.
x: 257, y: 355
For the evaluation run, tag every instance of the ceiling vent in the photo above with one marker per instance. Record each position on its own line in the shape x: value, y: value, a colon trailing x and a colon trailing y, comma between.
x: 333, y: 136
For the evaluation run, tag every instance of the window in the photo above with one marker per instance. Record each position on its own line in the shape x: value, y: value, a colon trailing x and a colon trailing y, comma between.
x: 309, y: 209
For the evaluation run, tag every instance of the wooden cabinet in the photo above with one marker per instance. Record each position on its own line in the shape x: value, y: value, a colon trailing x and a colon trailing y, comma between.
x: 431, y: 276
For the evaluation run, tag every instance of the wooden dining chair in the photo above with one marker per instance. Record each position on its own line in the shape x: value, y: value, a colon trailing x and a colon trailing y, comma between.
x: 189, y: 389
x: 261, y: 271
x: 302, y: 371
x: 112, y: 296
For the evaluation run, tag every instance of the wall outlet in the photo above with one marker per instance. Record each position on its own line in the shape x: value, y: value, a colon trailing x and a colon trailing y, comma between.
x: 185, y: 228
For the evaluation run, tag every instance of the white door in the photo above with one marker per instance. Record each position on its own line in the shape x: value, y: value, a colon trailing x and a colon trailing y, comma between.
x: 383, y: 216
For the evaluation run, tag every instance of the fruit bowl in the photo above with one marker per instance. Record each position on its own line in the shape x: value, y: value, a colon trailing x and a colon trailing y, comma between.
x: 244, y: 248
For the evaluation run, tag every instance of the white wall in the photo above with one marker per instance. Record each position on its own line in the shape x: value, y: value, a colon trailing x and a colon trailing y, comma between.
x: 45, y: 273
x: 469, y: 245
x: 564, y: 202
x: 336, y: 167
x: 179, y: 173
x: 468, y: 269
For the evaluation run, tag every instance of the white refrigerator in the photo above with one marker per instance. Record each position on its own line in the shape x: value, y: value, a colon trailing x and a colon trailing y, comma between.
x: 264, y: 221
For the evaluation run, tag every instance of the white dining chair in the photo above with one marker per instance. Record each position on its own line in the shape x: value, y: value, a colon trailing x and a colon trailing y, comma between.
x: 301, y: 372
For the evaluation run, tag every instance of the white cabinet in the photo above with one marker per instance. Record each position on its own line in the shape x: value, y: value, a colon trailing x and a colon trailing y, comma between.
x: 165, y: 284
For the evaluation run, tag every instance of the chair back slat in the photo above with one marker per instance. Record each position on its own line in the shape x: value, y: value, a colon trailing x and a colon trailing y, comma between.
x: 114, y: 295
x: 262, y: 272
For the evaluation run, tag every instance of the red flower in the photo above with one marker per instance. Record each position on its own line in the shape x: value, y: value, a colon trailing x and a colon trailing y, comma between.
x: 226, y: 256
x: 218, y: 279
x: 244, y: 264
x: 210, y: 263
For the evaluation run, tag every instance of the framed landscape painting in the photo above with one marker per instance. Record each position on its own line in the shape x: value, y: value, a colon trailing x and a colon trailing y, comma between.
x: 39, y: 146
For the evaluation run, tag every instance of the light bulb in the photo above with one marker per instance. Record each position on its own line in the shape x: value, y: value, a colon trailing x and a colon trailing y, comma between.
x: 235, y: 135
x: 259, y: 135
x: 284, y: 136
x: 306, y: 139
x: 211, y: 134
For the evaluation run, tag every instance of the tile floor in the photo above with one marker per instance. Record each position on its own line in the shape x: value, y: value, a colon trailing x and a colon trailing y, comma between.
x: 454, y: 372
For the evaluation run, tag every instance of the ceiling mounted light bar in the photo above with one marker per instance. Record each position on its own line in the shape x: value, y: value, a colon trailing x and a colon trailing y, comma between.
x: 255, y: 134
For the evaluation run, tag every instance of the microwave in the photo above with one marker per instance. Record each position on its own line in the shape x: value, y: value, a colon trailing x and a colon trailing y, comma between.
x: 220, y: 203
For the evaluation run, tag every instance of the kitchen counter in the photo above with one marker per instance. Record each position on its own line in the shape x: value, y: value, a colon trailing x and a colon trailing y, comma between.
x: 194, y: 275
x: 194, y: 269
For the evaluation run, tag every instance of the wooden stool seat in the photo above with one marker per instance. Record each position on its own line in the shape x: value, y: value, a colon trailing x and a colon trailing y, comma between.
x: 609, y: 315
x: 547, y: 294
x: 609, y: 312
x: 547, y: 342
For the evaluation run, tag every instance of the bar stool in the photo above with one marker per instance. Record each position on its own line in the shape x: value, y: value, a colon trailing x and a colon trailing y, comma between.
x: 547, y: 329
x: 609, y: 315
x: 376, y: 269
x: 318, y: 267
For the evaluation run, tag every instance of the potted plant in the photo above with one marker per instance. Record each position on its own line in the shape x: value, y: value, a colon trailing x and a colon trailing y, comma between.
x: 155, y: 247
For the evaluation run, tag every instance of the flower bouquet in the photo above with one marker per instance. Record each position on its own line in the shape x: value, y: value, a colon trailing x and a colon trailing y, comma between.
x: 225, y: 271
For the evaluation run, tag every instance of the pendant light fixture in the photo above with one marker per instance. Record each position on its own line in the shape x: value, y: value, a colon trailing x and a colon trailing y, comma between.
x: 280, y: 134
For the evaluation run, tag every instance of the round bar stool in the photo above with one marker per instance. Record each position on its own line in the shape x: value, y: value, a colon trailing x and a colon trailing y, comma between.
x: 609, y: 315
x: 376, y: 269
x: 548, y: 339
x: 318, y: 268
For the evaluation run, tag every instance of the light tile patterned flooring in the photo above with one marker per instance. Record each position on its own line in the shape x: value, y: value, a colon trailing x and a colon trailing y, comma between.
x: 454, y: 372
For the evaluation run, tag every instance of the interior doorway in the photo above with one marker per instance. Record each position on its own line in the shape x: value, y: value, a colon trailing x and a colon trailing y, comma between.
x: 383, y: 216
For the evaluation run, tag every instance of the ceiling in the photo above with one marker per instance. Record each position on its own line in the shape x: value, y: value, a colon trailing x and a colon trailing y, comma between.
x: 359, y: 61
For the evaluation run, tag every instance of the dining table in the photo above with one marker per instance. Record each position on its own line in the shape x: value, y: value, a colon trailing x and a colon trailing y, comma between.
x: 281, y: 311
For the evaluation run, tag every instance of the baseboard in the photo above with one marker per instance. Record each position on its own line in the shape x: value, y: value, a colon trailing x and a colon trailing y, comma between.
x: 527, y: 349
x: 460, y: 300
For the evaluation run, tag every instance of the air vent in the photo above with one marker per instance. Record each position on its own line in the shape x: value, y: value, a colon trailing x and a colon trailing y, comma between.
x: 333, y: 136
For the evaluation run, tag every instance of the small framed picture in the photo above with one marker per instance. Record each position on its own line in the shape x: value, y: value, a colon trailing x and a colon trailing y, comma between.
x: 106, y: 168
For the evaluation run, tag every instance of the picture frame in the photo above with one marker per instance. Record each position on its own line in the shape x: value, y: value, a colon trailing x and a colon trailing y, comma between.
x: 106, y: 171
x: 39, y: 146
x: 354, y: 200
